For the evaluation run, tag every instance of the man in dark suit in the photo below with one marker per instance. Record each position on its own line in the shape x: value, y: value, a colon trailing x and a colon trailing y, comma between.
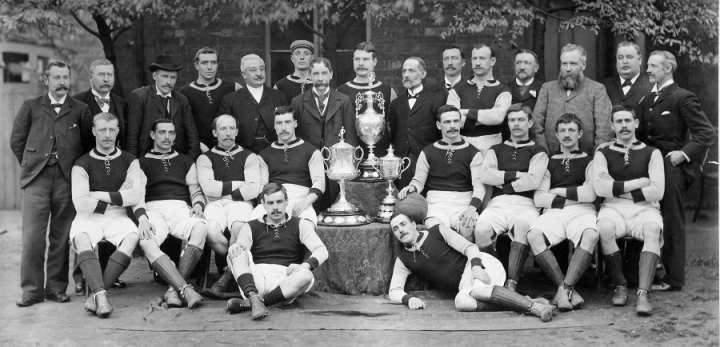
x: 667, y: 116
x: 525, y: 88
x: 99, y: 99
x: 453, y: 63
x: 321, y: 112
x: 253, y: 107
x: 629, y: 86
x: 160, y: 101
x: 412, y: 117
x: 46, y: 139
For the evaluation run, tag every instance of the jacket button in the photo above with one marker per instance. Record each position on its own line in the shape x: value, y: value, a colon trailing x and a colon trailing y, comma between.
x: 256, y: 119
x: 51, y: 137
x: 651, y: 109
x: 46, y: 154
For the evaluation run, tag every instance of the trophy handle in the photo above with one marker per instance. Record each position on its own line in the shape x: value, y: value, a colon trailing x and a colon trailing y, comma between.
x: 326, y: 160
x: 358, y: 159
x: 406, y: 166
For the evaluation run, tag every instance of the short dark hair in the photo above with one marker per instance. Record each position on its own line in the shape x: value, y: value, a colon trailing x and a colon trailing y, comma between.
x: 280, y: 110
x: 398, y: 214
x: 527, y: 51
x: 323, y: 61
x: 621, y: 108
x: 106, y: 116
x: 272, y: 188
x: 445, y: 109
x: 214, y: 122
x: 520, y: 108
x: 568, y: 118
x: 482, y: 45
x: 462, y: 54
x: 55, y: 64
x: 160, y: 120
x: 206, y: 50
x: 367, y: 47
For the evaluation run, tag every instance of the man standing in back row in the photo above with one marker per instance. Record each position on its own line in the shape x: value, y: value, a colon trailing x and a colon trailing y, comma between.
x: 301, y: 54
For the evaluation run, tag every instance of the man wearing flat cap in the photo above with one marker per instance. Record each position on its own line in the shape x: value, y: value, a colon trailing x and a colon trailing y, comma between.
x: 301, y: 53
x: 253, y: 107
x: 160, y: 101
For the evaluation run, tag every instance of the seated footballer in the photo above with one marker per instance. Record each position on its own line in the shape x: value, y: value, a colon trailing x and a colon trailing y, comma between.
x: 447, y: 259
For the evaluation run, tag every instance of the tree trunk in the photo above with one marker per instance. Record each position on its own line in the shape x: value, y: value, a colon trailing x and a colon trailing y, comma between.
x: 105, y: 36
x: 539, y: 43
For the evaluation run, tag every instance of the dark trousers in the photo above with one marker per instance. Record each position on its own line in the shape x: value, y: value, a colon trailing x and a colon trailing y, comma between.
x: 46, y: 198
x: 677, y: 181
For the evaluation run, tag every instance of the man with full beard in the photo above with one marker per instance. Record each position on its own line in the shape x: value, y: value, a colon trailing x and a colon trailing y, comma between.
x: 574, y: 93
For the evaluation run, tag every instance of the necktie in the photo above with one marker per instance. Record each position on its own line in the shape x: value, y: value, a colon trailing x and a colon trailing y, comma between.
x: 166, y: 102
x: 56, y: 105
x: 321, y: 102
x: 656, y: 94
x: 523, y: 89
x: 448, y: 86
x: 102, y: 101
x: 410, y: 96
x: 627, y: 83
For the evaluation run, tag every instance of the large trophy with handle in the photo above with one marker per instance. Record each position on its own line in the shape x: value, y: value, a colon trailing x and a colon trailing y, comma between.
x: 341, y: 164
x: 370, y: 127
x: 390, y: 168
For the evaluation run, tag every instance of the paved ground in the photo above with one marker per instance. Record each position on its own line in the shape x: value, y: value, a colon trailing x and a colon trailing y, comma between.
x: 687, y: 318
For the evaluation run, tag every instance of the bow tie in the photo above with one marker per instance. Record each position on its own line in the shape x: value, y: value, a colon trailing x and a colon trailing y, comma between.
x: 656, y: 93
x: 448, y: 86
x: 410, y: 96
x: 102, y: 101
x: 627, y: 83
x: 56, y: 105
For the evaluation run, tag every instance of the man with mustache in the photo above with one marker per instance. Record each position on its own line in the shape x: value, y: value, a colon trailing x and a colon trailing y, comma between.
x: 672, y: 119
x: 267, y: 260
x: 302, y: 53
x: 412, y: 117
x: 629, y: 175
x: 160, y: 101
x: 100, y: 98
x: 229, y: 176
x: 450, y: 170
x: 449, y: 261
x: 364, y: 61
x: 253, y: 106
x: 525, y: 88
x: 566, y: 193
x: 515, y: 168
x: 295, y: 164
x: 172, y: 183
x: 46, y: 139
x: 321, y: 113
x: 205, y: 94
x: 629, y: 86
x: 574, y: 93
x: 104, y: 182
x: 482, y: 100
x: 453, y: 59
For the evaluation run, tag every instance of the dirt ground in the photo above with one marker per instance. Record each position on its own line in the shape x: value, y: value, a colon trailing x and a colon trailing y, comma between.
x: 686, y: 318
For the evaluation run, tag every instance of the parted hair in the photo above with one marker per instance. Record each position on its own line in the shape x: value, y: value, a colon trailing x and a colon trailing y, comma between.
x: 448, y: 47
x: 669, y: 58
x: 520, y: 108
x: 206, y: 50
x: 323, y: 61
x: 398, y: 213
x: 620, y: 108
x: 98, y: 62
x: 445, y: 109
x: 272, y: 188
x: 280, y: 110
x: 482, y: 45
x: 106, y: 116
x: 573, y: 47
x: 215, y: 121
x: 527, y: 51
x: 568, y: 118
x: 54, y: 64
x: 161, y: 120
x: 367, y: 47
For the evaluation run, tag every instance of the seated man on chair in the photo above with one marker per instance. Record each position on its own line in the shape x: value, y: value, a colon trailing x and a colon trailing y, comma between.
x: 295, y: 164
x: 267, y: 259
x: 171, y: 183
x: 229, y: 175
x: 448, y: 260
x: 567, y: 195
x: 630, y: 176
x: 104, y: 182
x: 450, y: 170
x: 515, y: 168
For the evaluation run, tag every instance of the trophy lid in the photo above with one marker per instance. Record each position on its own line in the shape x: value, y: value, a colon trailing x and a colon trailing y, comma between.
x: 390, y: 154
x: 342, y: 144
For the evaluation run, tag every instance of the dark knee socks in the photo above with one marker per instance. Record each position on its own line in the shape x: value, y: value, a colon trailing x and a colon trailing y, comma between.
x: 578, y: 264
x: 506, y: 298
x: 614, y: 264
x: 518, y: 256
x: 274, y: 297
x: 648, y: 262
x: 246, y: 282
x: 550, y: 265
x: 189, y: 260
x: 117, y: 264
x: 168, y: 272
x: 90, y: 264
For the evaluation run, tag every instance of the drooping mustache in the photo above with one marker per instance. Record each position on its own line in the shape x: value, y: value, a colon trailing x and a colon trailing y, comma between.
x: 62, y: 87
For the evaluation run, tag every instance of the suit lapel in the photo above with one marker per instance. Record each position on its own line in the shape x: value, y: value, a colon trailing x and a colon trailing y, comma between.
x: 418, y: 104
x: 310, y: 105
x: 157, y: 100
x: 636, y: 87
x: 333, y: 104
x: 174, y: 104
x: 47, y: 106
x: 664, y: 93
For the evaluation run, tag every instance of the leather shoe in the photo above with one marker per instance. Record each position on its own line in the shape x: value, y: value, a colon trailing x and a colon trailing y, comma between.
x: 25, y: 302
x: 119, y: 284
x: 58, y: 297
x: 664, y: 287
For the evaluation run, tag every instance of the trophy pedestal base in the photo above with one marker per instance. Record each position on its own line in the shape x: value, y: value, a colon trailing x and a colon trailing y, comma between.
x: 343, y: 218
x: 385, y: 211
x: 368, y: 174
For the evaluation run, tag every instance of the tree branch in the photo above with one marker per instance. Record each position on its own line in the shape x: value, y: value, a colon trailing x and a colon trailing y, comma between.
x: 94, y: 33
x: 313, y: 29
x: 120, y: 32
x: 549, y: 12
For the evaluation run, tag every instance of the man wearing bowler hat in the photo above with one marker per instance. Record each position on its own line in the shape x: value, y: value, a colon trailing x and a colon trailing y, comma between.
x: 160, y: 101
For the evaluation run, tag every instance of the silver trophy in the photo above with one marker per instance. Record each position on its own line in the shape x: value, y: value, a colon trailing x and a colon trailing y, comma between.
x: 391, y: 168
x: 370, y: 127
x: 341, y: 164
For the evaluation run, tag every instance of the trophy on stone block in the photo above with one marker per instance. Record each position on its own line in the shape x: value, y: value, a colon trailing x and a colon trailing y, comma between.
x: 370, y: 127
x: 341, y: 164
x: 390, y: 168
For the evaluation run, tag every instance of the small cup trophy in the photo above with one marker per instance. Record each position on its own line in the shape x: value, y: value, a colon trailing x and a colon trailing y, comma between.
x: 390, y: 168
x: 341, y: 164
x: 370, y: 127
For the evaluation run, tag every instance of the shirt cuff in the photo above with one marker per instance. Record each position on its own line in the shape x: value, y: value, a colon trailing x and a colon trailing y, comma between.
x: 685, y: 155
x: 202, y: 205
x: 226, y: 188
x: 139, y: 213
x: 406, y: 298
x: 572, y: 194
x: 477, y: 262
x: 510, y: 176
x: 508, y: 188
x: 313, y: 263
x: 116, y: 198
x: 236, y: 195
x: 618, y: 188
x: 101, y: 207
x: 476, y: 202
x: 558, y: 202
x: 637, y: 195
x: 315, y: 191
